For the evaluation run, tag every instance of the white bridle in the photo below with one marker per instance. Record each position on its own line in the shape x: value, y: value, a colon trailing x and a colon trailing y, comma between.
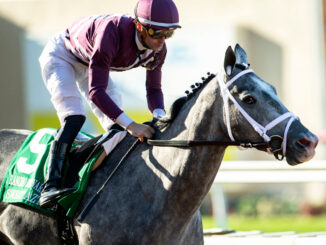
x: 261, y: 130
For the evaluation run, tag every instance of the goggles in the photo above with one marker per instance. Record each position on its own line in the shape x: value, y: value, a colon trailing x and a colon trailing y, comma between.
x: 157, y: 34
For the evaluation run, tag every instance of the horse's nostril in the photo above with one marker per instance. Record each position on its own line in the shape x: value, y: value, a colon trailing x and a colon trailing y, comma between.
x: 304, y: 142
x: 307, y: 143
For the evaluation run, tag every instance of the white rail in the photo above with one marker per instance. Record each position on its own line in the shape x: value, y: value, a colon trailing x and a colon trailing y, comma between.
x: 259, y: 238
x: 260, y: 172
x: 270, y: 172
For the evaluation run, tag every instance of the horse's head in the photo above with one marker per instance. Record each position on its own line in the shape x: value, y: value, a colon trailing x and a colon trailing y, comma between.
x: 254, y: 113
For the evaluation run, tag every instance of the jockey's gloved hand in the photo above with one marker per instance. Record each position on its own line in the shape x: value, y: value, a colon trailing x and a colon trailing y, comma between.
x: 140, y: 131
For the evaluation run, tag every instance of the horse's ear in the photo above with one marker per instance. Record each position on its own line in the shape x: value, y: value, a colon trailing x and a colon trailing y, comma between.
x: 240, y: 54
x: 229, y: 60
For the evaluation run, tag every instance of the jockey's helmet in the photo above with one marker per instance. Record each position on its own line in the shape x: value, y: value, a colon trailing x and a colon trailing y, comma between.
x: 157, y: 14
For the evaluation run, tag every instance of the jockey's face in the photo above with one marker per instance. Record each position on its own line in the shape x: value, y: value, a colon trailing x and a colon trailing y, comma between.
x: 155, y: 44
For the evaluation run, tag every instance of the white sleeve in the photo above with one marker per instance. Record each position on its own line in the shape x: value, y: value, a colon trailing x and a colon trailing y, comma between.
x: 124, y: 120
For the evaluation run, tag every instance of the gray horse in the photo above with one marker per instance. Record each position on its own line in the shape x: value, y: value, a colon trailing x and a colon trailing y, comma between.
x: 155, y: 195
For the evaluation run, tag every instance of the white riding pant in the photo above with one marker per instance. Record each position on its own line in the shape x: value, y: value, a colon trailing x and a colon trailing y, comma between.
x: 67, y: 81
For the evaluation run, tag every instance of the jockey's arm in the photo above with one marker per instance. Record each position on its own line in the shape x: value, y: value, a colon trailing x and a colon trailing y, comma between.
x: 155, y: 99
x: 98, y: 83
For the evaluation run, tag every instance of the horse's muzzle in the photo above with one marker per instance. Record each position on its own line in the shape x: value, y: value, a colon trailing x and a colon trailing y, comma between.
x: 303, y: 149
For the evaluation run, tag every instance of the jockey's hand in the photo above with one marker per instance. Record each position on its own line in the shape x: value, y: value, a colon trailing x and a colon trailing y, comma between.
x: 140, y: 131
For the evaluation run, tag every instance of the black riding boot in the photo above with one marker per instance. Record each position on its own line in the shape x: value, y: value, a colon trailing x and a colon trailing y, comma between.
x: 51, y: 192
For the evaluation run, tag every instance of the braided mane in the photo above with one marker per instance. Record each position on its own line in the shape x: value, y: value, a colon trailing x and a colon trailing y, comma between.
x: 166, y: 121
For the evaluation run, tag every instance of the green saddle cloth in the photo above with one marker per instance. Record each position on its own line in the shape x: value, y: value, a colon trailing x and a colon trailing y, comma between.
x: 25, y: 175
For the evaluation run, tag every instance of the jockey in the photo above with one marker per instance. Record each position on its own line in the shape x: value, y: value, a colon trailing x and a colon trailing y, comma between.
x: 77, y: 63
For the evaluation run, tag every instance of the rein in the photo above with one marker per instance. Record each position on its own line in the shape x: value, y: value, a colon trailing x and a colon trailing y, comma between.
x: 274, y: 144
x: 190, y: 143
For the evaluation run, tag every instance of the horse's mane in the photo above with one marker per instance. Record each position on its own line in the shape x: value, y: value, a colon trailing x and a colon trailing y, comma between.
x: 165, y: 122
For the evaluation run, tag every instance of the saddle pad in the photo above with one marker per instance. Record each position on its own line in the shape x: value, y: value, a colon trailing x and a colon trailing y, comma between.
x: 25, y: 175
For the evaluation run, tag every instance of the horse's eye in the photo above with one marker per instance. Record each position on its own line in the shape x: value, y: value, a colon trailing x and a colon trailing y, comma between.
x: 249, y: 100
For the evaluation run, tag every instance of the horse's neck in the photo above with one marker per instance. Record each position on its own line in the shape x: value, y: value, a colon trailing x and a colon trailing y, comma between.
x: 194, y: 169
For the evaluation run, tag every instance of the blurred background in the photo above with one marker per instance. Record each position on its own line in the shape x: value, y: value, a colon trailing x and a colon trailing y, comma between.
x: 285, y: 43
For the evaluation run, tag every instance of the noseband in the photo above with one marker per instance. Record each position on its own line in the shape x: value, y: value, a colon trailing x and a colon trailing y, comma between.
x: 276, y: 143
